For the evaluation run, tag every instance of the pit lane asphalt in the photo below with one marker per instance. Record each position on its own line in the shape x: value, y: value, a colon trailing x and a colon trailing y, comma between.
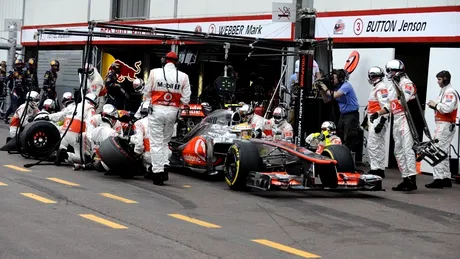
x: 423, y: 224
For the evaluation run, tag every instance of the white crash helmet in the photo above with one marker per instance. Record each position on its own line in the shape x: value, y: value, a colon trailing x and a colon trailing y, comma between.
x: 49, y: 105
x: 144, y: 111
x: 92, y: 99
x: 329, y: 126
x: 67, y: 98
x: 109, y: 114
x: 375, y: 75
x: 246, y: 112
x: 138, y: 85
x: 279, y: 114
x: 33, y: 97
x: 394, y: 68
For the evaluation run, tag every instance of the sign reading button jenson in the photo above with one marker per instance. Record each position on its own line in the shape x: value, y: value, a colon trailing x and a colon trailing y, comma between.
x: 395, y: 25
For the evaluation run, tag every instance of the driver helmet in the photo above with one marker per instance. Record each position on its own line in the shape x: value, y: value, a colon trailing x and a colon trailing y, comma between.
x: 138, y: 85
x: 92, y: 99
x: 33, y: 97
x: 206, y: 108
x: 144, y: 111
x: 49, y: 105
x: 67, y: 98
x: 375, y: 75
x: 394, y: 68
x: 109, y: 114
x: 328, y: 126
x: 279, y: 115
x: 246, y: 112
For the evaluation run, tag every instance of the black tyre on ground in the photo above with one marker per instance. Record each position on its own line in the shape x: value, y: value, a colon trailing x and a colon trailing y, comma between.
x: 39, y: 139
x: 242, y: 157
x: 116, y: 153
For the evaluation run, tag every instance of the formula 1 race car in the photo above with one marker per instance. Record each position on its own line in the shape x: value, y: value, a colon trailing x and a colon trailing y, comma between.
x: 214, y: 146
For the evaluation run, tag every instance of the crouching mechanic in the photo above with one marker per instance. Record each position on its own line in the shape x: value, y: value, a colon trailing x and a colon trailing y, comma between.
x: 97, y: 119
x: 17, y: 121
x: 325, y: 138
x: 278, y: 125
x: 445, y: 107
x: 168, y: 88
x: 104, y: 130
x: 75, y: 132
x: 69, y: 108
x: 140, y: 138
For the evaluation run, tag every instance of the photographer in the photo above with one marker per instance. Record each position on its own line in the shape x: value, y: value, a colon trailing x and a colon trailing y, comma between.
x: 342, y: 91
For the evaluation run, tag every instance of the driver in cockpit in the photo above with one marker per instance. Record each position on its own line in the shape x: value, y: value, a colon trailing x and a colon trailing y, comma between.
x: 257, y: 122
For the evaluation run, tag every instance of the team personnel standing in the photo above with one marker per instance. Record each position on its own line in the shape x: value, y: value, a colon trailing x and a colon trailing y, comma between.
x: 402, y: 136
x: 378, y: 100
x: 49, y: 84
x: 31, y: 75
x: 445, y: 108
x: 344, y: 94
x: 115, y: 92
x: 168, y: 88
x: 17, y: 85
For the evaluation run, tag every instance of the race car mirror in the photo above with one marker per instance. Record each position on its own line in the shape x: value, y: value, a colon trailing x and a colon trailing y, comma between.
x: 225, y: 85
x: 352, y: 62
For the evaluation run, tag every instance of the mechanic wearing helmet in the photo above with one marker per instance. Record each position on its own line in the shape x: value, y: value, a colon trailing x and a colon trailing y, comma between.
x: 168, y: 88
x: 325, y: 138
x: 31, y: 75
x: 138, y: 85
x: 378, y: 100
x: 345, y: 95
x: 49, y: 107
x: 281, y: 129
x: 105, y: 128
x: 17, y: 121
x: 17, y: 86
x: 402, y: 136
x: 69, y: 107
x: 140, y: 138
x: 110, y: 114
x: 445, y: 116
x: 49, y: 84
x: 115, y: 92
x: 96, y: 83
x: 74, y: 128
x: 257, y: 122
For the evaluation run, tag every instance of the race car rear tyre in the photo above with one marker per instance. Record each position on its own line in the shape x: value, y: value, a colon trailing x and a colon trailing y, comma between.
x: 242, y: 157
x: 116, y: 153
x: 39, y: 138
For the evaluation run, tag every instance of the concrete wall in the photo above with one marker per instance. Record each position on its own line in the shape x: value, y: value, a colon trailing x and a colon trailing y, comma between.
x: 9, y: 9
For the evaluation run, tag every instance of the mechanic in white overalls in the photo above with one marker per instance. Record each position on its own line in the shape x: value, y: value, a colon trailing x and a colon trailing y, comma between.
x: 327, y: 136
x: 140, y: 138
x: 97, y: 119
x: 68, y: 103
x: 32, y: 99
x: 72, y: 137
x: 96, y: 85
x: 278, y: 126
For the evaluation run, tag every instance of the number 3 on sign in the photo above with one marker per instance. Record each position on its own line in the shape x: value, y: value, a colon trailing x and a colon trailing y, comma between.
x: 358, y: 26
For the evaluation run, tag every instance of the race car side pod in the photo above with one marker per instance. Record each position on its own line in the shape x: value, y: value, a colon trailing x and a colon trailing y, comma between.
x: 427, y: 150
x: 83, y: 85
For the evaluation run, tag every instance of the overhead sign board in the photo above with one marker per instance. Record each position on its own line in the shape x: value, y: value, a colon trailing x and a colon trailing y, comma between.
x: 284, y: 12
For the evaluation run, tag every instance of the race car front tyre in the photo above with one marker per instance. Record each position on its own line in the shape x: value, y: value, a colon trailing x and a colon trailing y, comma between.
x: 242, y: 157
x: 345, y: 163
x: 116, y: 153
x: 39, y: 138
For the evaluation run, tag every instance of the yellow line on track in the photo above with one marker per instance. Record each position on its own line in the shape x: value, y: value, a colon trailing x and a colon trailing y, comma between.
x: 17, y: 168
x: 38, y: 198
x: 286, y: 249
x: 103, y: 221
x: 3, y: 184
x: 118, y: 198
x: 194, y: 221
x: 62, y: 181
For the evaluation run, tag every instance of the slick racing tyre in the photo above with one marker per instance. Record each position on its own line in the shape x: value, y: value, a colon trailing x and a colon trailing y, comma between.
x: 242, y: 157
x: 116, y: 153
x: 345, y: 163
x: 39, y: 138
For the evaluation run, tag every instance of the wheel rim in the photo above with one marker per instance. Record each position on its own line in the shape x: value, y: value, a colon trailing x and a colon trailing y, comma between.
x: 231, y: 166
x: 40, y: 139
